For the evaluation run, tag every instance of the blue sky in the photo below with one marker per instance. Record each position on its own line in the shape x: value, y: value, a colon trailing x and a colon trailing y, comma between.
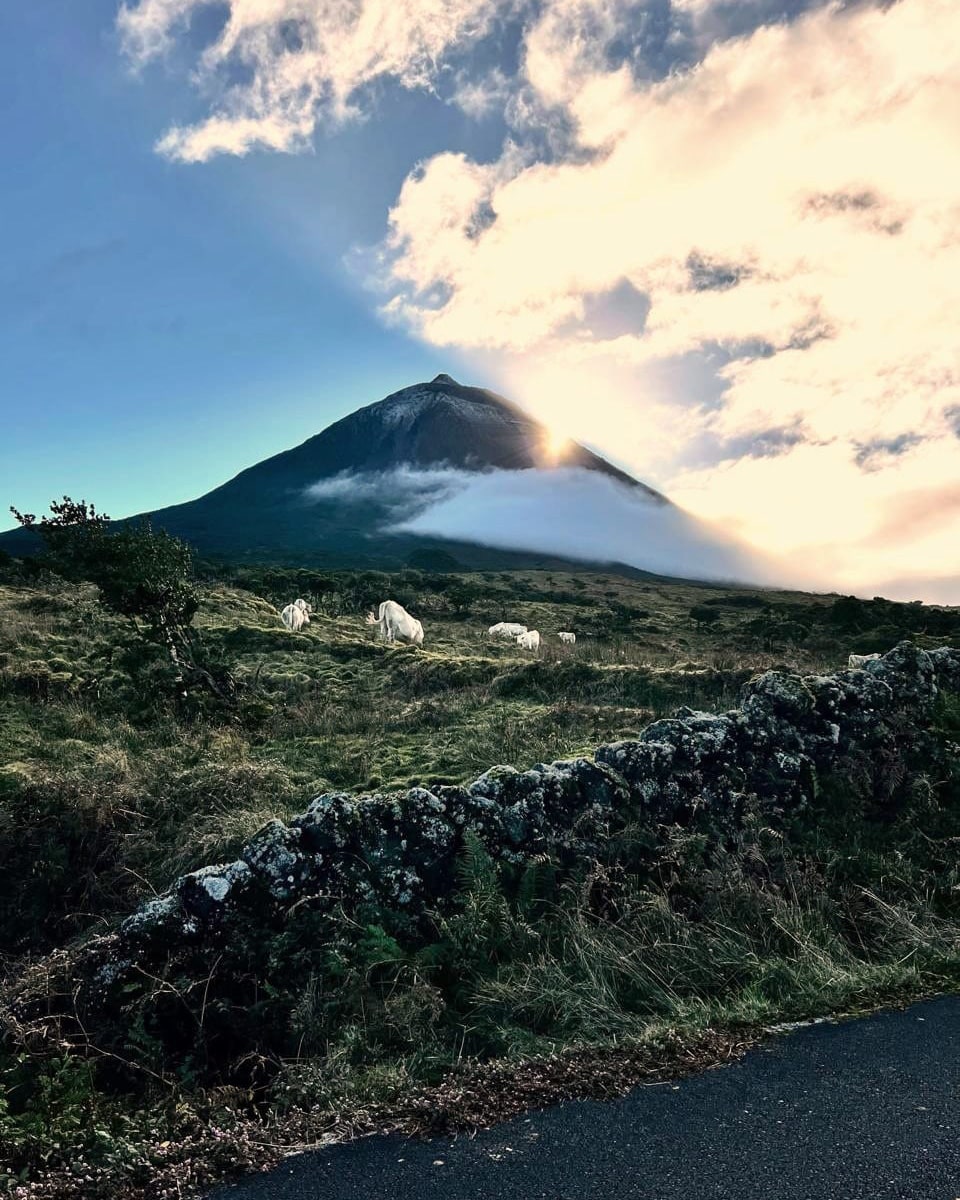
x: 162, y: 326
x: 719, y: 240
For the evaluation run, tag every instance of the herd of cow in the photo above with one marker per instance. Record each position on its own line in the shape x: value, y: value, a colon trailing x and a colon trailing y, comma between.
x: 395, y: 624
x: 526, y: 639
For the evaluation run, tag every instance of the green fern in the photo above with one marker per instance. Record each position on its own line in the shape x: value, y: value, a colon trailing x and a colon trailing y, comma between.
x: 537, y: 888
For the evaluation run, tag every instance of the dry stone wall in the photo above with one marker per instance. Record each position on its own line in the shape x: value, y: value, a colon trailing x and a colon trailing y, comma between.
x: 400, y: 851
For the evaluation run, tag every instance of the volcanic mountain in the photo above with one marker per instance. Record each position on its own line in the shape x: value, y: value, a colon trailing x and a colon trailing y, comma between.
x: 437, y: 475
x: 338, y: 498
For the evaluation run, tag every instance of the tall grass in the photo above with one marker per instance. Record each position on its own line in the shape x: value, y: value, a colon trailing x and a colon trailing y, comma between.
x: 107, y: 790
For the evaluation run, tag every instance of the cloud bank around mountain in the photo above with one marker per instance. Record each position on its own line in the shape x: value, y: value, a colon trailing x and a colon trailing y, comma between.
x: 569, y: 511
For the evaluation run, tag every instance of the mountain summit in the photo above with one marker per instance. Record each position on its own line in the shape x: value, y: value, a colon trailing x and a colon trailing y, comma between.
x: 428, y: 425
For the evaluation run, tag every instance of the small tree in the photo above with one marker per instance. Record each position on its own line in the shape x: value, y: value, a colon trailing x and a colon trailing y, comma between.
x: 141, y: 573
x: 73, y: 536
x: 461, y: 596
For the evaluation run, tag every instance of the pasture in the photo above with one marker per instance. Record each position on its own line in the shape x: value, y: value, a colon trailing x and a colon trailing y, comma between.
x: 107, y: 789
x: 111, y: 785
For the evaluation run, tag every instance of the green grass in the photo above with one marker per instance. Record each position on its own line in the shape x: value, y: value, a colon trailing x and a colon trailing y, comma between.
x: 108, y: 790
x: 105, y: 791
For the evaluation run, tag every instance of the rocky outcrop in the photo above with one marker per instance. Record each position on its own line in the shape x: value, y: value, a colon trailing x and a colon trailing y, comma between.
x: 399, y: 852
x: 789, y: 731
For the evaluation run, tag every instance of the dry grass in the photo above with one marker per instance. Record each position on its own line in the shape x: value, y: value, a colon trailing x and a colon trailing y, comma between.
x: 107, y: 790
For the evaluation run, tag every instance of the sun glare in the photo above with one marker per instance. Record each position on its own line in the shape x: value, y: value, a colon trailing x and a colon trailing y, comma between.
x: 556, y: 445
x: 584, y: 403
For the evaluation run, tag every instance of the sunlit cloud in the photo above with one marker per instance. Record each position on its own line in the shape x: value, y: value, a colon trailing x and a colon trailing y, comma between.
x: 861, y: 529
x: 721, y: 242
x: 790, y: 199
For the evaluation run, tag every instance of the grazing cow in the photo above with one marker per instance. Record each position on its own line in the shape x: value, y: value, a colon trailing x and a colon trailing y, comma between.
x: 506, y: 629
x: 568, y: 639
x: 294, y: 617
x: 529, y: 640
x: 396, y: 624
x: 857, y: 661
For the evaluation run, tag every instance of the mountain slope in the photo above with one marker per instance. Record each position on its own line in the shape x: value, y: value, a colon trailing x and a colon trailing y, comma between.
x: 397, y: 449
x: 435, y: 424
x: 443, y: 476
x: 269, y: 512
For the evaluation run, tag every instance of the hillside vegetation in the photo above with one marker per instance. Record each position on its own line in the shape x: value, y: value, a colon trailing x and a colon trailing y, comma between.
x: 112, y: 784
x: 108, y: 788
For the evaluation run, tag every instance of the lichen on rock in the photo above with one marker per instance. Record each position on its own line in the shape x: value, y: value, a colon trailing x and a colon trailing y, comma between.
x: 400, y: 850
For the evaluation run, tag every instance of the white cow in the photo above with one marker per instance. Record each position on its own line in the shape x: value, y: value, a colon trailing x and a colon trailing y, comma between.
x: 506, y: 629
x: 396, y: 624
x: 857, y: 661
x: 303, y: 606
x: 529, y: 640
x: 568, y: 639
x: 294, y: 617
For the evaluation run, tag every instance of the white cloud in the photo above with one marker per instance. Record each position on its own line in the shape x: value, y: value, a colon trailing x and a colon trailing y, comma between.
x: 814, y: 163
x: 568, y: 511
x: 148, y: 28
x: 479, y: 98
x: 405, y: 488
x: 302, y: 62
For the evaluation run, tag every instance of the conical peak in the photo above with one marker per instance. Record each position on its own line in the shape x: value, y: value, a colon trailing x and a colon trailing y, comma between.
x: 443, y: 377
x: 425, y: 425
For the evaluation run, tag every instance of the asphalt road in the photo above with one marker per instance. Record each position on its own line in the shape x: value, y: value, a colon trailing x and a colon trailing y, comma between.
x: 862, y: 1110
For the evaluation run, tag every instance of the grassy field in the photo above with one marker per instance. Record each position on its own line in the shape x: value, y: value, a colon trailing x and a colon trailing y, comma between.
x: 108, y: 788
